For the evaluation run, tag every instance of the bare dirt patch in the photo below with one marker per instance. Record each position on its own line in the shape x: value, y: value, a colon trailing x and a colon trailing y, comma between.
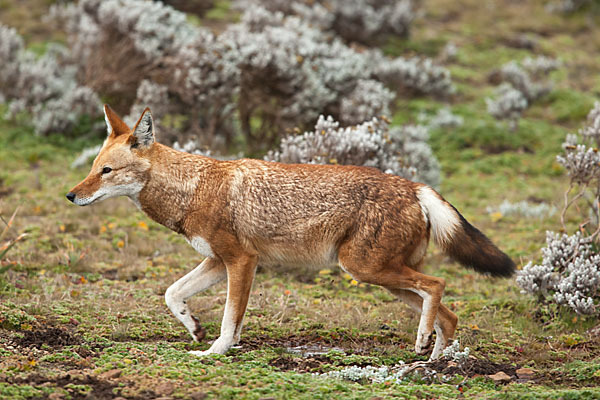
x: 362, y: 346
x: 300, y: 364
x: 472, y: 367
x: 295, y: 359
x: 104, y: 386
x: 42, y: 340
x: 53, y: 337
x: 100, y: 389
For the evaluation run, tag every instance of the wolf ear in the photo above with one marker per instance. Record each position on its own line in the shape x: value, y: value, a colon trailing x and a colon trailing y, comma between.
x: 114, y: 125
x: 143, y: 132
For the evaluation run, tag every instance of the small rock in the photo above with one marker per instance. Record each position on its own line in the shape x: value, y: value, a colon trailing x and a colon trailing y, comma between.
x: 525, y: 373
x: 119, y: 398
x: 500, y: 377
x: 164, y: 389
x: 75, y: 374
x: 56, y: 396
x: 112, y: 374
x: 451, y: 364
x: 198, y: 396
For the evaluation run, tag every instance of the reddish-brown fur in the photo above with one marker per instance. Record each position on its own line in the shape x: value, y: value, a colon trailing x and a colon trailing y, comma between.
x: 247, y: 212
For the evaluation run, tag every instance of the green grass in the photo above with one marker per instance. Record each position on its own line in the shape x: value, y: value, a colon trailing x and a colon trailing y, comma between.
x: 99, y: 273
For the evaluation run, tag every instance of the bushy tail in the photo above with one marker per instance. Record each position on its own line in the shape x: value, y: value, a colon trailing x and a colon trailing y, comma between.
x: 461, y: 240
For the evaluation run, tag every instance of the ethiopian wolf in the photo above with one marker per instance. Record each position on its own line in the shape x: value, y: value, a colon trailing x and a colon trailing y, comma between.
x: 237, y: 214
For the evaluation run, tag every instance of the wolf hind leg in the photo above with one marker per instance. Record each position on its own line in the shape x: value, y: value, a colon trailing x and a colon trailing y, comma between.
x: 393, y: 275
x: 445, y: 321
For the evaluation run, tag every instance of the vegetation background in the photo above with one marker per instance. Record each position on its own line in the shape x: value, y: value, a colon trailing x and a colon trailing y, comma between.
x: 82, y: 313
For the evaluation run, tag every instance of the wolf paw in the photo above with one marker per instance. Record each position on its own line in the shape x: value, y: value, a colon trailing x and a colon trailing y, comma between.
x: 199, y: 353
x: 220, y: 346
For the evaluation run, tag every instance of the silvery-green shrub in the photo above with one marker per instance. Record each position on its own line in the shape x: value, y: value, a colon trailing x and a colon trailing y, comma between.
x: 569, y: 272
x: 400, y: 150
x: 508, y: 103
x: 363, y: 21
x: 522, y: 84
x: 262, y: 76
x: 46, y: 86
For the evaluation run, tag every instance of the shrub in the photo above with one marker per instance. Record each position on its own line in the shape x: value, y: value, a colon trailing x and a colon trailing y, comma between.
x: 46, y: 87
x: 444, y: 118
x: 569, y: 272
x: 402, y: 151
x: 11, y: 53
x: 566, y: 6
x: 119, y: 43
x: 264, y: 75
x: 412, y: 76
x: 523, y: 84
x: 582, y: 162
x: 197, y: 7
x: 508, y: 104
x: 453, y: 353
x: 363, y: 21
x: 86, y: 155
x: 524, y: 209
x: 285, y: 72
x: 591, y: 132
x: 520, y: 80
x: 369, y: 98
x: 541, y: 65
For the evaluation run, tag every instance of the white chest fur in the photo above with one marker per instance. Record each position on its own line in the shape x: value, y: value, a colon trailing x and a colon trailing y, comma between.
x: 201, y: 246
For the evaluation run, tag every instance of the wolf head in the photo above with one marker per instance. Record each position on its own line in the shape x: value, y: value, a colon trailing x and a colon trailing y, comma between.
x: 122, y: 165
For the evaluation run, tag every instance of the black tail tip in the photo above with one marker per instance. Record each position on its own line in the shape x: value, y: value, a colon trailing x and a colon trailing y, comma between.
x: 503, y: 267
x: 474, y: 250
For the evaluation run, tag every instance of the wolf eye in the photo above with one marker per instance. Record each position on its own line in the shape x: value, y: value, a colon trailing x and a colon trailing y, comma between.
x: 106, y: 170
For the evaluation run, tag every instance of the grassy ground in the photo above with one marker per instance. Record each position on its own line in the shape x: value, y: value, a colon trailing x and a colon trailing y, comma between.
x: 82, y: 312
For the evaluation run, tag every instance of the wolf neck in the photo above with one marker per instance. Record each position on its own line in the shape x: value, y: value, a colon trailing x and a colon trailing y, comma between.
x: 173, y: 183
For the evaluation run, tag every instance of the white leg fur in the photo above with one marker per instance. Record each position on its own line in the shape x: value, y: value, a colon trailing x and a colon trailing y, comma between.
x: 230, y: 329
x: 423, y: 335
x: 441, y: 342
x: 202, y: 277
x: 228, y: 333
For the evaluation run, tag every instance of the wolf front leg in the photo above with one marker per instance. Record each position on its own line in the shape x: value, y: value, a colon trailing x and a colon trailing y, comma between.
x: 205, y: 275
x: 240, y: 274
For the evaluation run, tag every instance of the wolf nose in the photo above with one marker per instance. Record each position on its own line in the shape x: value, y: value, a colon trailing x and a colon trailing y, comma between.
x: 71, y: 196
